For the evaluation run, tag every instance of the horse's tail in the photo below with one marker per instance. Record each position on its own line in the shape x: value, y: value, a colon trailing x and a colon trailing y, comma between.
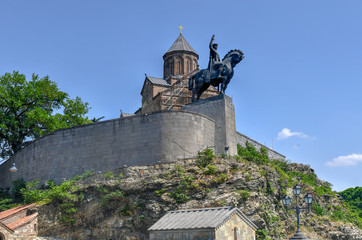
x: 191, y: 82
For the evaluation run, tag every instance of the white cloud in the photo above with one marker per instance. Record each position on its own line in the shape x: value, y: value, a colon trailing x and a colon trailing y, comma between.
x: 287, y: 133
x: 349, y: 160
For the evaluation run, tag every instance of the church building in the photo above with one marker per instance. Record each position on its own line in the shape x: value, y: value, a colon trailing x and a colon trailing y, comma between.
x: 171, y: 92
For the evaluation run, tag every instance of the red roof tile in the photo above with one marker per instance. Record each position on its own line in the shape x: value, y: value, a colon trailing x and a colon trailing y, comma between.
x: 22, y: 221
x: 15, y: 210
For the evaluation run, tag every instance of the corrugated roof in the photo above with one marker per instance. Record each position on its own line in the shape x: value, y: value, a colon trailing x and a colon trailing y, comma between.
x: 181, y: 45
x: 197, y: 219
x: 158, y: 81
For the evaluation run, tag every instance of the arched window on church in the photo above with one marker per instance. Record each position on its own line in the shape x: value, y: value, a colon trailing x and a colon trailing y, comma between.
x: 188, y: 66
x: 179, y: 67
x: 172, y: 67
x: 235, y: 233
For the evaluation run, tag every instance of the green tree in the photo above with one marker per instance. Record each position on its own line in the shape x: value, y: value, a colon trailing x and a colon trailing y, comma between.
x: 34, y: 108
x: 353, y: 196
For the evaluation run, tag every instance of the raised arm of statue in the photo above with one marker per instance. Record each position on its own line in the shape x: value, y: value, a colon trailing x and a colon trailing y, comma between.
x: 214, y: 56
x: 211, y: 43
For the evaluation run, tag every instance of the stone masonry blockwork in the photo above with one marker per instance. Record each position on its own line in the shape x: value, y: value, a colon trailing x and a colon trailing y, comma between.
x: 138, y: 140
x: 222, y: 110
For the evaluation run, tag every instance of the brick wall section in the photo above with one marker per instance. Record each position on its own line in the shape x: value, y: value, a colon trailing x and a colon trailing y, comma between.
x: 150, y: 101
x: 244, y: 231
x: 242, y: 139
x: 157, y: 98
x: 171, y: 63
x: 137, y: 140
x: 183, y: 234
x: 221, y: 109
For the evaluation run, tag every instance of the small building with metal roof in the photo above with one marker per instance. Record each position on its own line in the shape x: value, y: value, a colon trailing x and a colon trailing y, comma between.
x: 222, y: 223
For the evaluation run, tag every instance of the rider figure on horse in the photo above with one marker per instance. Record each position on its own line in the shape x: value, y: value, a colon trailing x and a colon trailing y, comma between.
x: 214, y: 61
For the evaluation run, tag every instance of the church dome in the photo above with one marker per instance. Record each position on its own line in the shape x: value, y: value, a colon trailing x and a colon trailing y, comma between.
x: 180, y: 59
x: 181, y: 45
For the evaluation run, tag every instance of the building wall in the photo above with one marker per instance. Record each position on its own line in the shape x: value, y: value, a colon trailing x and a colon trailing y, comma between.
x: 5, y: 233
x: 242, y: 139
x: 150, y: 100
x: 183, y: 235
x: 27, y: 232
x: 222, y: 110
x: 157, y: 98
x: 226, y: 231
x: 138, y: 140
x: 171, y: 66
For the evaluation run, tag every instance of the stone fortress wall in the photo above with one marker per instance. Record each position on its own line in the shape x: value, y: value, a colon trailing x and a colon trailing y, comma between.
x: 133, y: 141
x: 242, y: 139
x: 147, y: 139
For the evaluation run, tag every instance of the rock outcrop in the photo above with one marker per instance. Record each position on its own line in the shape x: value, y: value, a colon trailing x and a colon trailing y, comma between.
x: 123, y: 204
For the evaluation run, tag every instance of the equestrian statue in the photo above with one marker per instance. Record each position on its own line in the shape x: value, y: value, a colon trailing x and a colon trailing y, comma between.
x: 218, y: 72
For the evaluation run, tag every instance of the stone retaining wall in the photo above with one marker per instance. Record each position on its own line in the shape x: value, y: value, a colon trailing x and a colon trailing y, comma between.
x: 138, y: 140
x: 242, y: 139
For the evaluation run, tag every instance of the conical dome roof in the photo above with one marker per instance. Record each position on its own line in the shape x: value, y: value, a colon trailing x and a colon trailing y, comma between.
x: 181, y: 45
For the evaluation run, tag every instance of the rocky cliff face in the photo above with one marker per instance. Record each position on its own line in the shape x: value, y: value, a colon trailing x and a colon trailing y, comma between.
x: 123, y: 204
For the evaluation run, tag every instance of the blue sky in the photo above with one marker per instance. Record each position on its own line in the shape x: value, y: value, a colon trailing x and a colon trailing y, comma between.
x: 298, y: 88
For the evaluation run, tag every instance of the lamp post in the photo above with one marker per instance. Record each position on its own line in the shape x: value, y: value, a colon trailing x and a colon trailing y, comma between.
x: 307, y: 199
x: 13, y: 168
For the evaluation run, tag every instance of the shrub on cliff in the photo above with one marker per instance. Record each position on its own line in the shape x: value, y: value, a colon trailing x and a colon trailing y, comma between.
x: 250, y: 153
x: 205, y: 158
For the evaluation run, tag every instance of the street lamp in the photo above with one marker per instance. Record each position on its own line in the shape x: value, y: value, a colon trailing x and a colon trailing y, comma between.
x: 296, y: 190
x: 308, y: 198
x: 13, y: 168
x: 286, y: 200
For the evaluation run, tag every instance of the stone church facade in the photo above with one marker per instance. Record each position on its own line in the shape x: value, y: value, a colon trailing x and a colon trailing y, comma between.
x: 167, y: 128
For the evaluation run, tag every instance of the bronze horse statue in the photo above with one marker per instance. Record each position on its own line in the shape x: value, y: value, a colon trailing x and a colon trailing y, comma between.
x: 219, y: 73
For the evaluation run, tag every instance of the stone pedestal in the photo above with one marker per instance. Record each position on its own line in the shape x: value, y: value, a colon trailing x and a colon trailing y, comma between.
x: 221, y: 109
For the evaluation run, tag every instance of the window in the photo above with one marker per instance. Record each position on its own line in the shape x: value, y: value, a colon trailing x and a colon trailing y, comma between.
x: 179, y: 67
x: 172, y: 68
x: 235, y: 233
x: 2, y: 237
x: 188, y: 66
